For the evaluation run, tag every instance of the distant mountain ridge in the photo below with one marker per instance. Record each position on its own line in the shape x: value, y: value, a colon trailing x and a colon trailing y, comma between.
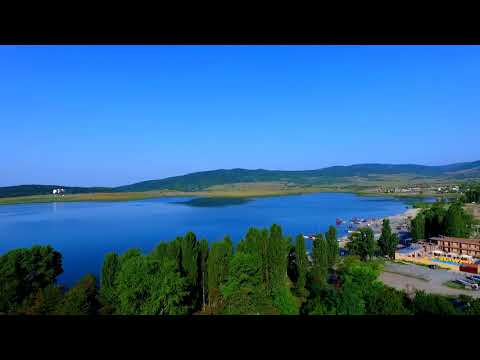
x: 330, y: 175
x: 204, y: 179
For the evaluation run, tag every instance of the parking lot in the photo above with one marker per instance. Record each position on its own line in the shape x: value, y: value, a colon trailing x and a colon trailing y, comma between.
x: 410, y: 276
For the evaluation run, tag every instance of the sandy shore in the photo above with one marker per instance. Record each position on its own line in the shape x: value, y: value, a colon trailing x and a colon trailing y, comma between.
x: 400, y: 220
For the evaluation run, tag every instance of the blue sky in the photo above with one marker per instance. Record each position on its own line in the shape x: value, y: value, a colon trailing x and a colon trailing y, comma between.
x: 113, y: 115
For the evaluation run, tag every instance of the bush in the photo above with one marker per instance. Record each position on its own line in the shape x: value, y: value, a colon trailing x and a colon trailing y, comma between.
x: 285, y: 302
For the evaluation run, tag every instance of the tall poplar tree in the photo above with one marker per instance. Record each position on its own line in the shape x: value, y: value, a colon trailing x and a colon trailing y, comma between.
x: 190, y: 250
x: 301, y: 262
x: 417, y: 227
x: 203, y: 256
x: 277, y: 251
x: 332, y: 244
x: 320, y: 258
x: 110, y: 270
x: 249, y: 244
x: 218, y: 261
x: 388, y: 241
x: 456, y: 222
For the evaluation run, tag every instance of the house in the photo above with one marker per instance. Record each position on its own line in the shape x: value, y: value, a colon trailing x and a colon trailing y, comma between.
x: 411, y: 251
x: 459, y: 246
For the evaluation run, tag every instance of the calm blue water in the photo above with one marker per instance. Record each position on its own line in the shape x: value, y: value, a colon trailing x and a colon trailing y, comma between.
x: 85, y: 231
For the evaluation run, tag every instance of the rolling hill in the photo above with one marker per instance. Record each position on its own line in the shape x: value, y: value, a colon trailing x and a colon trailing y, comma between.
x: 330, y: 175
x: 352, y: 174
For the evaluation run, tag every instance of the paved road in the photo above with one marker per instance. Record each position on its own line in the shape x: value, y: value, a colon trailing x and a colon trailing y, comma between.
x: 409, y: 277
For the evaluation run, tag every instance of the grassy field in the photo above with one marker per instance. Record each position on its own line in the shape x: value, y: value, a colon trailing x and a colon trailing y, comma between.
x: 452, y: 284
x: 238, y: 190
x: 88, y: 197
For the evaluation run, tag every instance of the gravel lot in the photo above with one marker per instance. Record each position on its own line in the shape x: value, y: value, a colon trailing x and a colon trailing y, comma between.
x: 411, y: 276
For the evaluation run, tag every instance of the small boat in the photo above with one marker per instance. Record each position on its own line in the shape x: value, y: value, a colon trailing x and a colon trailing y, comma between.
x: 339, y: 221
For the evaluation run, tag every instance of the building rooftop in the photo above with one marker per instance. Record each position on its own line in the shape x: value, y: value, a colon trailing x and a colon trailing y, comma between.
x: 455, y: 239
x: 410, y: 249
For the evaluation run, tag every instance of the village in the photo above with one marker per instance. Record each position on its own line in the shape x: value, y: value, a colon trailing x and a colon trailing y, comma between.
x: 58, y: 192
x: 441, y: 264
x: 421, y: 189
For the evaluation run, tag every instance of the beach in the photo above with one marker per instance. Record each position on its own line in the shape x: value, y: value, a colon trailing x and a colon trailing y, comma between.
x: 399, y: 224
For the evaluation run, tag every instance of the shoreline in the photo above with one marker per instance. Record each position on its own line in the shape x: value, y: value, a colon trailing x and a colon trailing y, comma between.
x: 395, y: 220
x: 252, y: 193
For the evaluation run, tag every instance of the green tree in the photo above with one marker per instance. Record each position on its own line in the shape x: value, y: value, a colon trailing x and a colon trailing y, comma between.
x: 292, y: 271
x: 435, y: 220
x: 362, y: 243
x: 324, y: 303
x: 382, y: 300
x: 190, y: 258
x: 358, y: 280
x: 350, y: 301
x: 130, y: 253
x: 320, y: 259
x: 229, y: 244
x: 430, y: 304
x: 301, y: 262
x: 174, y: 251
x: 243, y: 292
x: 417, y: 227
x: 150, y: 287
x: 110, y: 270
x: 388, y: 241
x: 81, y: 299
x: 332, y: 244
x: 457, y: 222
x: 44, y: 302
x: 471, y: 305
x: 249, y: 244
x: 473, y: 194
x: 275, y: 261
x: 203, y: 258
x: 161, y: 252
x: 25, y: 271
x: 217, y: 269
x: 285, y: 302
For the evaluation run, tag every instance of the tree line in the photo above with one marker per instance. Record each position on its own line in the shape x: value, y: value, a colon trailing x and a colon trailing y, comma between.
x: 265, y: 273
x: 442, y: 219
x: 472, y: 194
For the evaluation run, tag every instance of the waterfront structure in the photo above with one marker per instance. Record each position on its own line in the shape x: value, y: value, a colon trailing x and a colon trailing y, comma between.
x: 458, y: 246
x: 447, y: 252
x: 58, y: 191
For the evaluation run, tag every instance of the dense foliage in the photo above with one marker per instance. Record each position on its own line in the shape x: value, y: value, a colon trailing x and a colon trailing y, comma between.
x: 23, y: 272
x: 472, y: 195
x: 362, y: 243
x: 388, y: 241
x: 266, y: 273
x: 440, y: 219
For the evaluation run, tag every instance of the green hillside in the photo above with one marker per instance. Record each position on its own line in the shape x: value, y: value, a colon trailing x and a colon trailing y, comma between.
x: 352, y: 175
x: 327, y: 176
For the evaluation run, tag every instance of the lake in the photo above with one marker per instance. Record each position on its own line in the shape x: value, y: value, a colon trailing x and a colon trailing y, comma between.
x: 85, y: 231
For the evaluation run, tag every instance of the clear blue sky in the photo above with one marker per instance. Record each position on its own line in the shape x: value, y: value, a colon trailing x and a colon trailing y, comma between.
x: 113, y: 115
